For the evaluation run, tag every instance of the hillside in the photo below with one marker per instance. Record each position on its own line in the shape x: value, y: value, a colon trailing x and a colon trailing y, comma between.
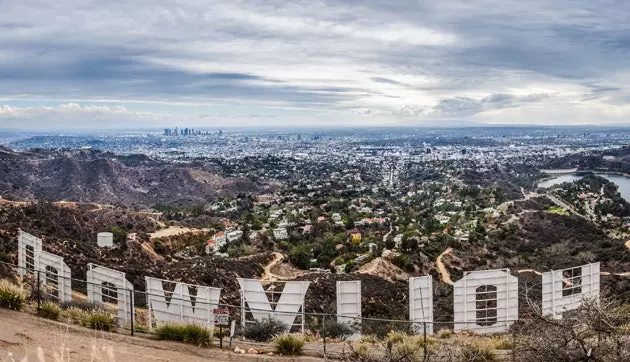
x: 611, y: 160
x: 103, y: 177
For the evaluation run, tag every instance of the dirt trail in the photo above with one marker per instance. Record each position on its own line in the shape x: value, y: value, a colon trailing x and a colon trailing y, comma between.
x: 444, y: 274
x: 175, y: 230
x: 268, y: 275
x: 22, y: 335
x: 384, y: 269
x: 529, y: 271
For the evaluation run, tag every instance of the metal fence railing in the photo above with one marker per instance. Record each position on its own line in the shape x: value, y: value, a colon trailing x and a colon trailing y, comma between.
x: 137, y: 316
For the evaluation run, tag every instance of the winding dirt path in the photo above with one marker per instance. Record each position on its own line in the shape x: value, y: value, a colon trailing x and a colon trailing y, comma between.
x: 444, y: 274
x: 268, y: 275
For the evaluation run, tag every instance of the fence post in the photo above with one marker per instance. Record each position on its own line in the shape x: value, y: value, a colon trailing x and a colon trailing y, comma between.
x: 426, y: 348
x: 131, y: 307
x: 324, y: 331
x: 39, y: 293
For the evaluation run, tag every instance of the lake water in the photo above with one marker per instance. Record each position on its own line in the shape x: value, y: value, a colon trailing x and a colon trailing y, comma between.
x: 622, y: 181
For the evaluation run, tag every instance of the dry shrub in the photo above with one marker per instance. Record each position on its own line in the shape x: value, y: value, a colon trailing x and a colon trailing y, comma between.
x: 478, y: 350
x: 596, y: 331
x: 12, y: 296
x: 289, y: 344
x: 49, y: 310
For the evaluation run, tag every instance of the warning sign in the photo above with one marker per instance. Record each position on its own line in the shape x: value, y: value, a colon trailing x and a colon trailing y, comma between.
x: 221, y: 317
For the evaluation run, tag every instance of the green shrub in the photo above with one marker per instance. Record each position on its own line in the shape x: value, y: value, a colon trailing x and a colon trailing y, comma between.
x: 49, y: 310
x: 100, y: 320
x: 12, y: 296
x: 336, y: 330
x: 188, y: 333
x: 5, y: 258
x: 264, y: 330
x: 289, y: 344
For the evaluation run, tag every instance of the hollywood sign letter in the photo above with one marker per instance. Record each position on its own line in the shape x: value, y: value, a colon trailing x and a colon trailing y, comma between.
x: 111, y: 286
x: 421, y: 303
x: 349, y: 303
x: 181, y: 306
x: 485, y: 301
x: 54, y: 273
x: 287, y: 308
x: 565, y: 289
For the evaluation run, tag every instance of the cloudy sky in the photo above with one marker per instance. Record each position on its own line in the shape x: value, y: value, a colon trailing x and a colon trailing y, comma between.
x: 142, y: 63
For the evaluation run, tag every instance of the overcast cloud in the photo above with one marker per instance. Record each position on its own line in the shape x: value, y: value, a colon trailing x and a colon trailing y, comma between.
x: 76, y: 63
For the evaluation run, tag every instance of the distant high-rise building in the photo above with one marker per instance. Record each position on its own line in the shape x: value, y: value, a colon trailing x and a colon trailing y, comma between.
x: 220, y: 132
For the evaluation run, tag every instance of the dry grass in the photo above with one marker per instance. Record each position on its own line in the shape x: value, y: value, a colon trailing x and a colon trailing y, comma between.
x: 12, y: 296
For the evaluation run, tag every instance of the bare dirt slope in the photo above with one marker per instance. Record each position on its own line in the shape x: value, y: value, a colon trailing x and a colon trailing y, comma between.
x: 21, y: 335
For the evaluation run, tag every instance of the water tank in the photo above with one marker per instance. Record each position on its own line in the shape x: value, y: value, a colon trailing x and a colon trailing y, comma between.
x: 105, y: 240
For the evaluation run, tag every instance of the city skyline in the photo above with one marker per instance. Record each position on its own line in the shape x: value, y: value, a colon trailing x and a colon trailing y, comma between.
x: 238, y: 64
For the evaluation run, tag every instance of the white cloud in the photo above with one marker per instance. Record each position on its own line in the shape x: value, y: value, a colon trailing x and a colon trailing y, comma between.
x: 393, y: 60
x: 73, y: 115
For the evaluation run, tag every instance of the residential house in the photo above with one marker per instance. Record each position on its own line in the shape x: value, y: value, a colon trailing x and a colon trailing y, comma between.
x: 280, y: 233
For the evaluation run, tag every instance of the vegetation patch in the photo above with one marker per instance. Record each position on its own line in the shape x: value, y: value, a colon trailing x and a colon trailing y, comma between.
x: 187, y: 333
x: 557, y: 210
x: 12, y: 296
x: 289, y: 344
x: 336, y: 330
x: 49, y: 310
x: 100, y: 320
x: 264, y: 330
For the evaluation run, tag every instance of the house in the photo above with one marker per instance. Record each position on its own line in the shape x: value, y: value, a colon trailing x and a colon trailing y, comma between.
x: 355, y: 237
x: 361, y: 258
x: 254, y: 236
x: 283, y: 224
x: 280, y: 234
x: 373, y: 248
x: 307, y: 229
x: 321, y: 219
x: 234, y: 235
x: 443, y: 219
x: 336, y: 217
x: 220, y: 238
x: 211, y: 247
x: 398, y: 241
x: 339, y: 224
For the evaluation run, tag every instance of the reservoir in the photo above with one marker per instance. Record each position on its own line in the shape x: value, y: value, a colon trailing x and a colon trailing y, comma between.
x: 622, y: 182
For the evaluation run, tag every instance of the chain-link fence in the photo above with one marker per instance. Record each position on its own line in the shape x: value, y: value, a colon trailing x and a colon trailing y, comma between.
x: 153, y: 312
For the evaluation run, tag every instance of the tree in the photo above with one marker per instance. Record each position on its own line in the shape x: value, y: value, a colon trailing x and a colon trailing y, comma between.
x: 120, y: 235
x: 300, y: 256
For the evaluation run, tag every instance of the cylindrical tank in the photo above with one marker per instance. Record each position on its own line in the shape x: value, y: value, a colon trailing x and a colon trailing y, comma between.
x: 105, y: 240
